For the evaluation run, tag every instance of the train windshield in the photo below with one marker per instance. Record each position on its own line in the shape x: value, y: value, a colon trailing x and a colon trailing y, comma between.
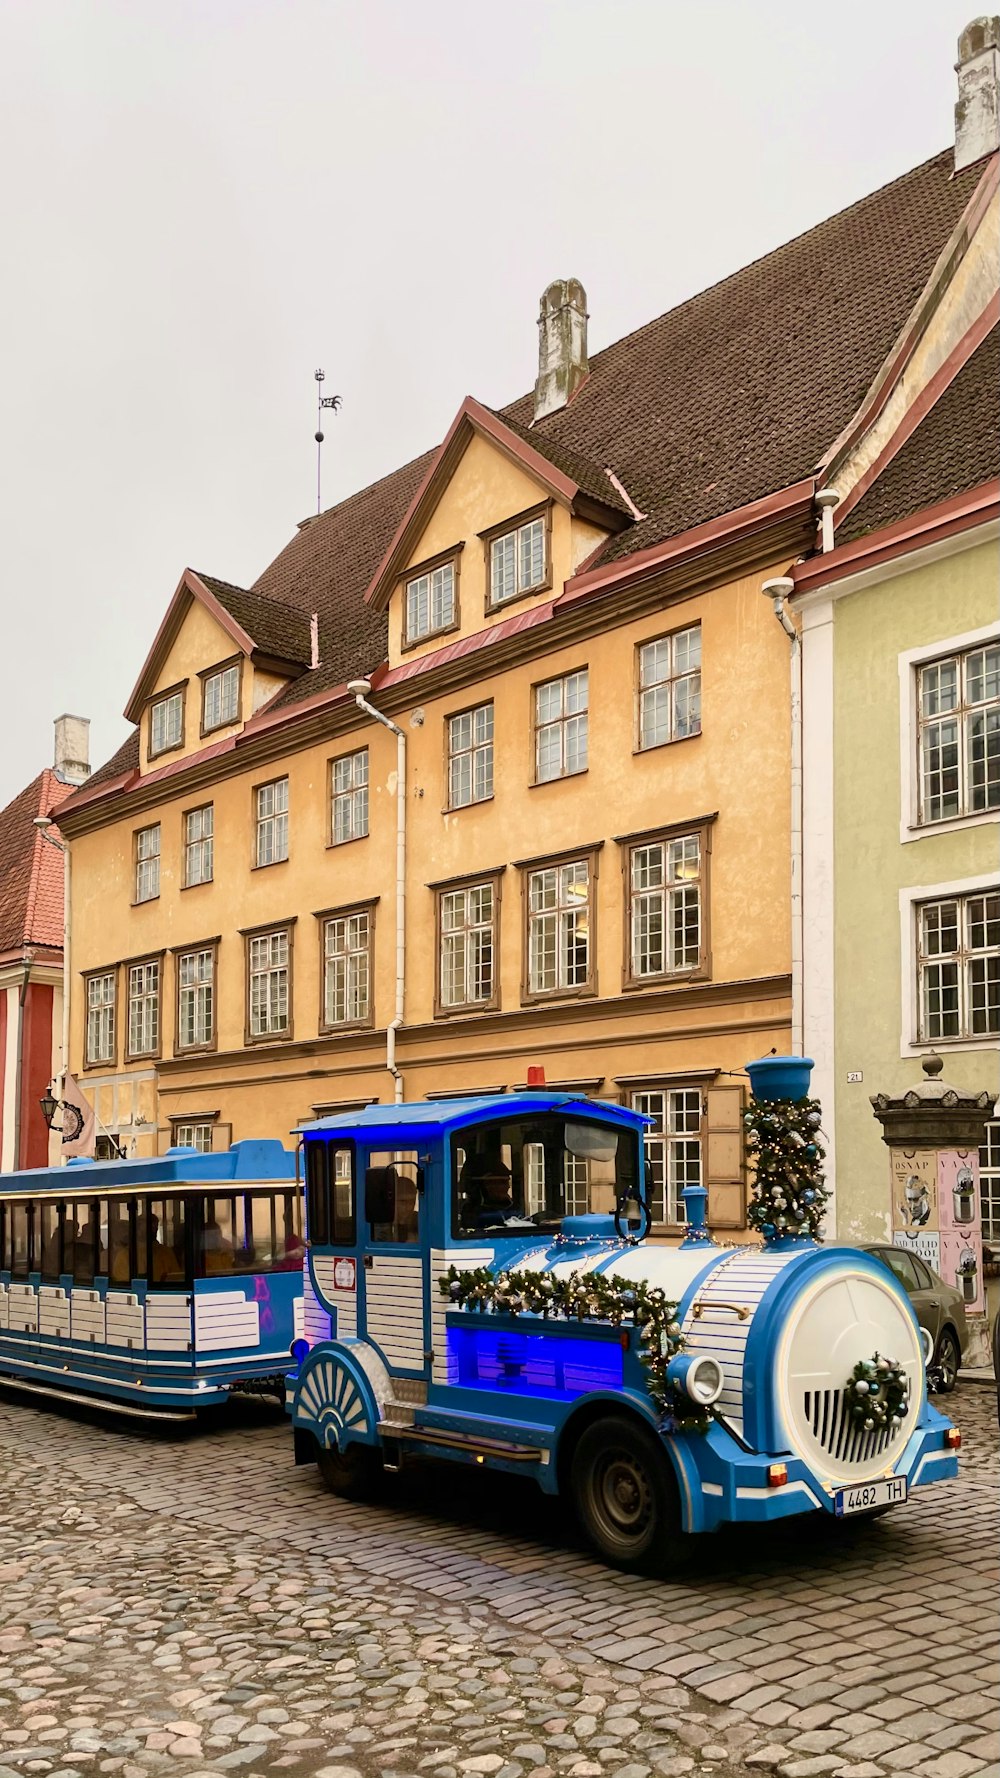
x: 524, y: 1174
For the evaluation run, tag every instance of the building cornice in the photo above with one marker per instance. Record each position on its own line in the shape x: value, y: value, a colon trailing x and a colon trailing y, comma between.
x: 900, y: 546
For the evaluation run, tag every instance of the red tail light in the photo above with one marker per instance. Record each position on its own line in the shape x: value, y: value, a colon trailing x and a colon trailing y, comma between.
x: 953, y: 1439
x: 777, y: 1475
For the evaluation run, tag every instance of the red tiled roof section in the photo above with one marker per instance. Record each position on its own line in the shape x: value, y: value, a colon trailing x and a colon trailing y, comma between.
x: 31, y: 872
x: 277, y: 628
x: 955, y: 447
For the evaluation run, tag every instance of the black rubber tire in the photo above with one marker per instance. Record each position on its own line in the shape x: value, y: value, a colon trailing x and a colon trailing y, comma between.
x: 947, y: 1361
x: 352, y: 1474
x: 626, y: 1497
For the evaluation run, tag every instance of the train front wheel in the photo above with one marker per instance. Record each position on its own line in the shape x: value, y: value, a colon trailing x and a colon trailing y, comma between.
x: 352, y: 1474
x: 626, y: 1497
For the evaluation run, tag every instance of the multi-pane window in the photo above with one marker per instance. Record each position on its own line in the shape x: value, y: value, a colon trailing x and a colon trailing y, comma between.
x: 221, y: 698
x: 194, y: 1135
x: 349, y: 792
x: 195, y: 998
x: 347, y: 968
x: 101, y: 1017
x: 268, y: 963
x: 199, y: 845
x: 670, y: 687
x: 143, y: 1008
x: 665, y: 906
x: 958, y: 716
x: 467, y: 945
x: 989, y: 1183
x: 430, y: 602
x: 673, y: 1147
x: 470, y: 757
x: 517, y: 561
x: 147, y: 863
x: 166, y: 723
x: 272, y: 822
x: 561, y: 712
x: 958, y: 964
x: 559, y: 921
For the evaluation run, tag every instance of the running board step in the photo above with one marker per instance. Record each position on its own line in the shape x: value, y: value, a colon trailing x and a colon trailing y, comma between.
x: 463, y: 1441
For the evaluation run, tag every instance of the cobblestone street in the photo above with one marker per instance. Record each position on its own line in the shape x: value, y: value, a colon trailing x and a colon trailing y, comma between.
x: 195, y: 1604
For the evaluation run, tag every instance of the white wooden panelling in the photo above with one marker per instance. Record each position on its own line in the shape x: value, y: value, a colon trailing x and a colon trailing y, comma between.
x: 464, y: 1259
x: 225, y: 1319
x: 3, y: 1305
x: 343, y: 1302
x: 168, y: 1322
x: 22, y: 1308
x: 743, y: 1279
x: 87, y: 1317
x: 125, y: 1320
x: 394, y: 1300
x: 53, y: 1312
x: 315, y: 1320
x: 298, y: 1318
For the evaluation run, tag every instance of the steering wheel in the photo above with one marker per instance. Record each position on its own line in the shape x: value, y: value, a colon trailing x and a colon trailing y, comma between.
x: 624, y: 1233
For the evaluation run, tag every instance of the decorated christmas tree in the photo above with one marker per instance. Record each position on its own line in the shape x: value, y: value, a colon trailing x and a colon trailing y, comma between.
x: 783, y: 1142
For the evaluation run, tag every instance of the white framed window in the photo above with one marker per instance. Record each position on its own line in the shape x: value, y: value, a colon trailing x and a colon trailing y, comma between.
x: 559, y: 922
x: 669, y: 673
x: 958, y: 967
x: 665, y: 906
x: 430, y: 602
x: 144, y: 1008
x: 470, y: 757
x: 958, y: 734
x: 989, y: 1184
x: 347, y: 968
x: 467, y: 942
x: 196, y: 998
x: 562, y: 712
x: 673, y: 1143
x: 271, y: 801
x: 166, y: 723
x: 220, y: 703
x: 349, y: 797
x: 101, y: 1017
x: 147, y: 863
x: 199, y: 845
x: 269, y: 983
x: 518, y: 561
x: 193, y: 1135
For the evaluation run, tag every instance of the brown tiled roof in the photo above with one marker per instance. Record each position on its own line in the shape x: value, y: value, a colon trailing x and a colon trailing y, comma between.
x: 126, y: 759
x: 276, y: 627
x: 590, y: 477
x: 955, y: 447
x: 31, y: 872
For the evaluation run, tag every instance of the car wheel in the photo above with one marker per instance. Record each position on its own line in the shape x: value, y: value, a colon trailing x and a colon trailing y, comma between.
x: 626, y: 1498
x: 354, y: 1473
x: 947, y: 1360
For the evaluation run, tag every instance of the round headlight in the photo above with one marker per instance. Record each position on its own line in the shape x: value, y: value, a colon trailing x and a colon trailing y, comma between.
x: 701, y: 1378
x: 927, y: 1342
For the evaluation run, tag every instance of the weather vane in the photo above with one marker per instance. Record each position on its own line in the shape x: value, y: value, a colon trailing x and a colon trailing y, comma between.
x: 333, y: 402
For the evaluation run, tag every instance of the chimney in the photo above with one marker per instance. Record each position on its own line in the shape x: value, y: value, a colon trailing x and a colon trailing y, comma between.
x: 72, y: 751
x: 977, y: 113
x: 562, y: 345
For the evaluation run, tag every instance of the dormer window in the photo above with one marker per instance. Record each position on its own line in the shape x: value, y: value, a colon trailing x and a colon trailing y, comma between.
x: 220, y: 697
x: 431, y: 599
x: 518, y: 558
x: 166, y: 722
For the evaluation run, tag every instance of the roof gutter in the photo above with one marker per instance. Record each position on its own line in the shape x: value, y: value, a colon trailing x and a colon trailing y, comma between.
x: 934, y: 524
x: 778, y: 591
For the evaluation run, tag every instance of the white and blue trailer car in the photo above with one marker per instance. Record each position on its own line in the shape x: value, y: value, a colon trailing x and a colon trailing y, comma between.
x: 391, y: 1367
x: 157, y: 1287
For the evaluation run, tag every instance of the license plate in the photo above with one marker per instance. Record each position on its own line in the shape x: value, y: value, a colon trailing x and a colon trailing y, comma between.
x: 868, y: 1495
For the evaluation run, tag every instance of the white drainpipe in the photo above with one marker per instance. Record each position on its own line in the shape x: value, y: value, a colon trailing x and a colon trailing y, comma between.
x: 778, y: 591
x: 360, y: 688
x: 827, y: 499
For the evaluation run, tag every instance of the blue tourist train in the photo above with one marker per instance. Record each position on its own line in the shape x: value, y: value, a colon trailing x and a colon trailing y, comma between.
x: 478, y: 1289
x: 156, y: 1286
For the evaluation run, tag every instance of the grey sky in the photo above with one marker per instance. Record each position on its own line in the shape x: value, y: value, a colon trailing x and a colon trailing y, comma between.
x: 206, y: 199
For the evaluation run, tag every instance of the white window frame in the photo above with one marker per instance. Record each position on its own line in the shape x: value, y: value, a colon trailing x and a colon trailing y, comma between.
x: 101, y: 1017
x: 174, y: 701
x: 270, y: 968
x: 439, y: 600
x: 561, y: 722
x: 478, y: 751
x: 142, y: 991
x: 147, y: 863
x: 194, y: 1133
x: 221, y: 679
x: 467, y: 945
x: 909, y: 663
x: 199, y: 994
x: 989, y: 1182
x: 347, y: 967
x: 910, y: 901
x: 673, y: 1144
x: 199, y: 845
x: 519, y: 543
x: 563, y: 918
x: 271, y: 823
x: 672, y: 893
x: 668, y: 683
x: 349, y: 797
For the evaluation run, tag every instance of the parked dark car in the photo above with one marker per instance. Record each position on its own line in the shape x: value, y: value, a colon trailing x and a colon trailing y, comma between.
x: 938, y: 1306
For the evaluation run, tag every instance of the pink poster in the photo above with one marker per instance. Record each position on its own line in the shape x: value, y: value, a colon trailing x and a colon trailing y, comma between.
x: 961, y: 1229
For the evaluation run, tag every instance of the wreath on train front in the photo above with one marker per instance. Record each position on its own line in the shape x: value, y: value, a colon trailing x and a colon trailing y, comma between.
x: 590, y: 1297
x: 877, y: 1393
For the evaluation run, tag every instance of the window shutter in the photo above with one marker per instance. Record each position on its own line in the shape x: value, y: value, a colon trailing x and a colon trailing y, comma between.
x: 724, y: 1170
x: 222, y: 1136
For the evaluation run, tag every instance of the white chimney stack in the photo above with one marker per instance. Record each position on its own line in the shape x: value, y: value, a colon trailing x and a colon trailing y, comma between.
x: 977, y: 113
x: 562, y: 345
x: 72, y: 750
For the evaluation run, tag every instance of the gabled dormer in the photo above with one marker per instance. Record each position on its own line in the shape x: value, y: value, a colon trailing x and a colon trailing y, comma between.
x: 219, y: 655
x: 501, y: 520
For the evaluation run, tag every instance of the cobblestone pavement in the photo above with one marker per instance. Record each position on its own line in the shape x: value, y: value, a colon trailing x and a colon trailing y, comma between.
x: 196, y: 1605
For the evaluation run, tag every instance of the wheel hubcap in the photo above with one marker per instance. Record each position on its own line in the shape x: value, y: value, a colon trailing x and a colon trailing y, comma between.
x: 622, y: 1495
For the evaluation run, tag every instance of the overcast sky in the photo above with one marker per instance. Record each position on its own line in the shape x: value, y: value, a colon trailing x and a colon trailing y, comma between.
x: 204, y: 200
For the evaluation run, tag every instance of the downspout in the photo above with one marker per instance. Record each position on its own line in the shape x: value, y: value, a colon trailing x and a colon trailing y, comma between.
x: 64, y: 1059
x: 22, y: 995
x: 778, y: 591
x: 360, y: 689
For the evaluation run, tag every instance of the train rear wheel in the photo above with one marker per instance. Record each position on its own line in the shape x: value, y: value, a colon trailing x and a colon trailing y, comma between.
x: 353, y: 1473
x: 626, y: 1497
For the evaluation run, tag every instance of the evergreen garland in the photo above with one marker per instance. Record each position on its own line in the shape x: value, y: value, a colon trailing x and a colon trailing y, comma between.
x: 877, y: 1393
x: 590, y: 1296
x: 789, y: 1197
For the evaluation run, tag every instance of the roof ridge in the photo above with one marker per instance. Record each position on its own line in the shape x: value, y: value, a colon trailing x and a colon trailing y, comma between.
x: 248, y: 592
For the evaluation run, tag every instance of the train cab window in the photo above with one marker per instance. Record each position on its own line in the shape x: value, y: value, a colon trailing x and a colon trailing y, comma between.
x: 528, y: 1173
x: 318, y: 1192
x: 330, y: 1195
x: 121, y: 1242
x: 48, y: 1240
x: 20, y: 1239
x: 291, y: 1247
x: 393, y: 1184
